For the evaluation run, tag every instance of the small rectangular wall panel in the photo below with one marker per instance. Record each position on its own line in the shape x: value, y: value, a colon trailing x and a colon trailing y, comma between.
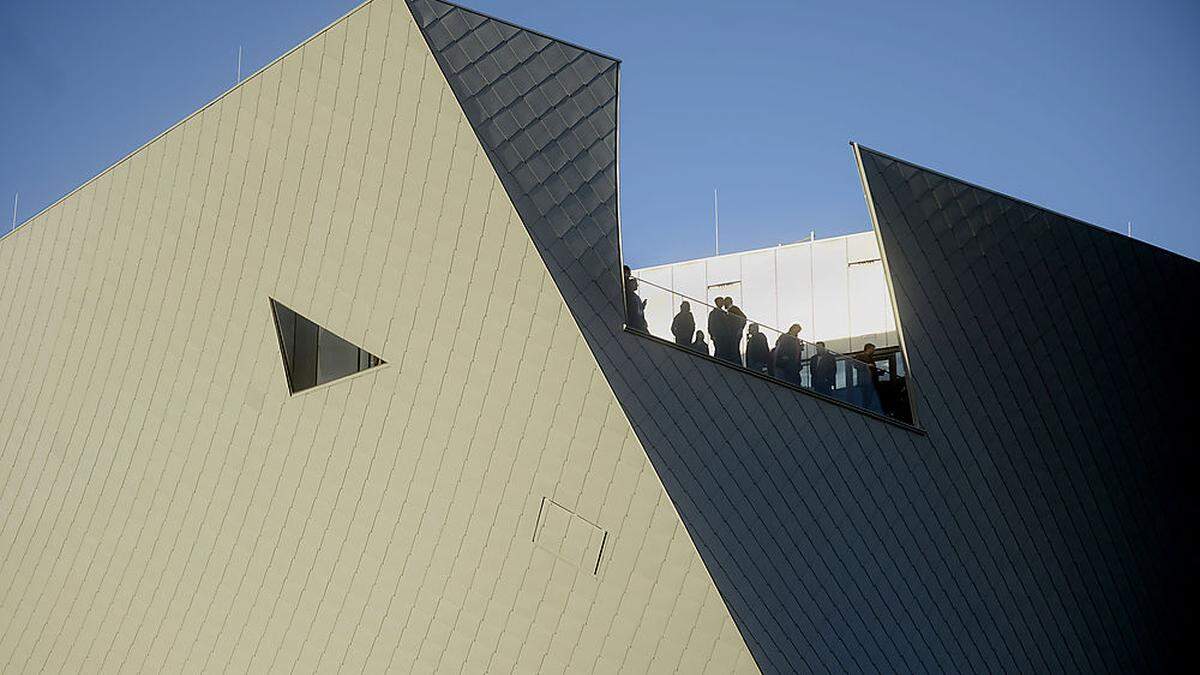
x: 758, y: 287
x: 661, y: 303
x: 690, y: 279
x: 831, y: 284
x: 795, y: 290
x: 870, y: 307
x: 569, y: 536
x: 726, y: 269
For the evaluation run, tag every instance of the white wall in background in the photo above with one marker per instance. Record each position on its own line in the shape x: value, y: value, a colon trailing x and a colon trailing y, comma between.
x: 835, y: 288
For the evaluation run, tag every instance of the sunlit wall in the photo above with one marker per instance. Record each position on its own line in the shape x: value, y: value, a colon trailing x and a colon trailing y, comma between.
x: 835, y: 288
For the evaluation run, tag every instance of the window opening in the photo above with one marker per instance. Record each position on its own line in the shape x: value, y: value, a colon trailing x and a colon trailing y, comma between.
x: 313, y: 355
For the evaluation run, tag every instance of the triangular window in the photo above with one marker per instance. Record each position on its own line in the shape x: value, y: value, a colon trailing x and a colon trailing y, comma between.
x: 312, y: 355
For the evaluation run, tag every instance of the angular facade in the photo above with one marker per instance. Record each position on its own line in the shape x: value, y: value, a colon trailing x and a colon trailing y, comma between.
x: 556, y: 493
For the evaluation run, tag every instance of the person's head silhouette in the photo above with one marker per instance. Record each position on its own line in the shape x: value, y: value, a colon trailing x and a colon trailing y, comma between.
x: 794, y: 331
x: 753, y: 329
x: 685, y: 306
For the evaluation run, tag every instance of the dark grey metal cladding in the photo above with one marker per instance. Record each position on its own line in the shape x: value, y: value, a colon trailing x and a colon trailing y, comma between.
x: 546, y: 113
x: 1049, y: 357
x: 839, y: 542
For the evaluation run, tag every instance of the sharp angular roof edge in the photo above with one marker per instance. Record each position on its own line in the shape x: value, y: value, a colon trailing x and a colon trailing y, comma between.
x: 1026, y: 202
x: 527, y: 29
x: 189, y: 116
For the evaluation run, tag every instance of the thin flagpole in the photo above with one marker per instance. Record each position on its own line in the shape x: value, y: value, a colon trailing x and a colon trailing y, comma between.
x: 812, y: 282
x: 717, y: 222
x: 16, y: 199
x: 239, y: 73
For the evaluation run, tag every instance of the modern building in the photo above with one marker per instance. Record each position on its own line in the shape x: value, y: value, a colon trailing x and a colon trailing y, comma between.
x: 250, y: 423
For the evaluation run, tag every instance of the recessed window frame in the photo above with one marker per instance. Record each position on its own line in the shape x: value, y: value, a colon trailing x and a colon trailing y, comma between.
x: 366, y: 360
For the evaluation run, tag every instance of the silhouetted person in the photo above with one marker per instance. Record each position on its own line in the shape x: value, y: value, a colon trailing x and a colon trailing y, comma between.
x: 867, y: 387
x: 788, y: 351
x: 757, y: 351
x: 717, y: 324
x: 699, y: 344
x: 724, y: 326
x: 683, y: 327
x: 823, y: 367
x: 635, y: 307
x: 897, y: 404
x: 737, y: 322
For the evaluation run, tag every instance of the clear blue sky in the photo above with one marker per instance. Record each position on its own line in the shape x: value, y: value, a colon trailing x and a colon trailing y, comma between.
x: 1088, y: 108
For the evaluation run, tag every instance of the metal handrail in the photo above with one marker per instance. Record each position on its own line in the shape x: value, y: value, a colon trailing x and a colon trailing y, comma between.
x: 702, y: 303
x: 890, y: 403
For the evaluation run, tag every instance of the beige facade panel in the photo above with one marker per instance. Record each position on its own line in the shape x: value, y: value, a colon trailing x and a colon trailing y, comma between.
x: 166, y: 505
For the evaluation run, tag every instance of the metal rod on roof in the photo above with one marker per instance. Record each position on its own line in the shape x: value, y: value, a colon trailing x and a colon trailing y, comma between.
x: 16, y: 198
x: 717, y: 222
x: 812, y: 282
x: 239, y: 72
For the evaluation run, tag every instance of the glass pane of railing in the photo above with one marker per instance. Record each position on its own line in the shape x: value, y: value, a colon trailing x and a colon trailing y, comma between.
x: 871, y: 379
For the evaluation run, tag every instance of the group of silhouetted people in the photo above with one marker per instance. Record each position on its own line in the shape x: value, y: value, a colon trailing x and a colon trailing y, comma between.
x: 726, y: 322
x: 788, y: 358
x: 865, y: 385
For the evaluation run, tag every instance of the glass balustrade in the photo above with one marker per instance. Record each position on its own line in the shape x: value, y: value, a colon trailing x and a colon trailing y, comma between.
x: 874, y: 379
